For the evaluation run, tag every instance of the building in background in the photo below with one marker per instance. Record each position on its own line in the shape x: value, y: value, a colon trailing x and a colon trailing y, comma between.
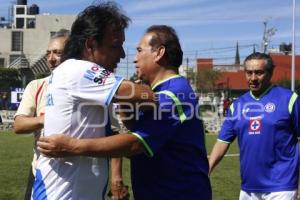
x: 25, y: 37
x: 231, y: 79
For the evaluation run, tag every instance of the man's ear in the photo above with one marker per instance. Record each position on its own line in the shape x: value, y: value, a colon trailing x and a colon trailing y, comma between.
x: 160, y: 52
x: 89, y: 45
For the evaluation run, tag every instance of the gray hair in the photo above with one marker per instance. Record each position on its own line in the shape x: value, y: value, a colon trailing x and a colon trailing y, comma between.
x: 262, y: 56
x: 61, y: 33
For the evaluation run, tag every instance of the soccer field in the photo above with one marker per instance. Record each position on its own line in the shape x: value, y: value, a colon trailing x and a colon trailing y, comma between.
x: 16, y: 155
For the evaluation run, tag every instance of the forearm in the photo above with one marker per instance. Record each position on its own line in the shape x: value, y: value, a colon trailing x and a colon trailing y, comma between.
x: 24, y: 124
x: 113, y: 146
x: 217, y: 153
x: 116, y: 171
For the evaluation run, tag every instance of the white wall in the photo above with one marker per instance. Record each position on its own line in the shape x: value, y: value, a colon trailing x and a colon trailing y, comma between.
x: 35, y: 41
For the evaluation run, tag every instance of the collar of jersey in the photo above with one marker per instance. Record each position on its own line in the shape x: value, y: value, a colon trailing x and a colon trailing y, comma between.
x: 263, y: 94
x: 165, y: 80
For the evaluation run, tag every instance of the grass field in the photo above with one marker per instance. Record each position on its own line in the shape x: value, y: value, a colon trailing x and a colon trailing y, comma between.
x: 16, y: 155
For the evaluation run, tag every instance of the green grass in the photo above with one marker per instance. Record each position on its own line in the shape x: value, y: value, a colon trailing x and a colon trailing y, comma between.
x: 225, y: 179
x: 16, y: 155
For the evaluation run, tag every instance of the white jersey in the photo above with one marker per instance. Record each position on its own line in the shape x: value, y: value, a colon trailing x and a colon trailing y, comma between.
x: 78, y: 96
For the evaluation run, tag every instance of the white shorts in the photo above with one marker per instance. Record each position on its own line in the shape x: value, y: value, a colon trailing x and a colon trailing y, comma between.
x: 284, y: 195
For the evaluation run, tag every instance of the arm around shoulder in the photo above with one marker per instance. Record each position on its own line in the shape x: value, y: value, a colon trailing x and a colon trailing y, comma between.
x: 132, y: 92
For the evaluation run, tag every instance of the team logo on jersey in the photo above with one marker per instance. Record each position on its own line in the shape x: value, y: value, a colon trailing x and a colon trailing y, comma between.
x: 255, y: 124
x: 270, y: 107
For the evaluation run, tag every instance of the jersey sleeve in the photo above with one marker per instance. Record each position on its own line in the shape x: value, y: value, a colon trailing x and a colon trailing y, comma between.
x: 295, y: 113
x: 96, y: 85
x: 227, y: 133
x: 27, y: 106
x: 154, y: 129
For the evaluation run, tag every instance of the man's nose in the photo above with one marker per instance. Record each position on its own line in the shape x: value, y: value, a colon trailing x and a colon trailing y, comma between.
x: 50, y: 56
x: 123, y: 53
x: 253, y: 76
x: 135, y: 59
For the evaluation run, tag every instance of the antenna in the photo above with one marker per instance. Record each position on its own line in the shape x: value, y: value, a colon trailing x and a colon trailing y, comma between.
x: 268, y: 33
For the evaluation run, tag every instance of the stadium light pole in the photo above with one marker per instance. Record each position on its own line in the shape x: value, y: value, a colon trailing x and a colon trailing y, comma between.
x: 293, y: 48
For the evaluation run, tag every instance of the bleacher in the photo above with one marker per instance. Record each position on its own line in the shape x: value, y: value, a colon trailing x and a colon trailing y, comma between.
x: 7, y: 117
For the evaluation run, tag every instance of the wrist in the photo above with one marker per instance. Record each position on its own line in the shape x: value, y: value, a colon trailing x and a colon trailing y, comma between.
x: 40, y: 121
x: 78, y: 146
x: 117, y: 182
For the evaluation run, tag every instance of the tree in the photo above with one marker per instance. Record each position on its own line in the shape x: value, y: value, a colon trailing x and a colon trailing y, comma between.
x: 206, y: 80
x: 9, y: 78
x: 42, y: 75
x: 287, y: 84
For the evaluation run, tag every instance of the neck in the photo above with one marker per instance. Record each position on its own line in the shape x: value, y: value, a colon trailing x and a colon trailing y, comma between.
x: 163, y: 74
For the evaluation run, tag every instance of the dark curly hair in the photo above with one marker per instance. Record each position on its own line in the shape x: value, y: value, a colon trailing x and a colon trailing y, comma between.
x: 92, y: 23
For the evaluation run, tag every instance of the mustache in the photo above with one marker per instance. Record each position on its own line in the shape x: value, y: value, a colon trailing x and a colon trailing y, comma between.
x: 253, y: 82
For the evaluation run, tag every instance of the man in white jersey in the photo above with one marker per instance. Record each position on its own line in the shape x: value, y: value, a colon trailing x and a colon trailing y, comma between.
x: 29, y: 116
x: 79, y: 93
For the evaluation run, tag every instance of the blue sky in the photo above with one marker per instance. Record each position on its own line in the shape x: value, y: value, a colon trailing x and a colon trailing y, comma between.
x: 207, y: 28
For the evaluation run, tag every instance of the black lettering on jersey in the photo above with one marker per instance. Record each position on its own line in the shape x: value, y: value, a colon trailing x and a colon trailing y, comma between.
x: 101, y: 77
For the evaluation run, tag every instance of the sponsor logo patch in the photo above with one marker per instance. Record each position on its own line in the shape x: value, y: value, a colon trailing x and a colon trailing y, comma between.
x: 255, y: 124
x: 96, y: 75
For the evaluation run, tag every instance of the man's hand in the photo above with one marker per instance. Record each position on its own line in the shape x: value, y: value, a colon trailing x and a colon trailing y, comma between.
x: 59, y: 145
x: 118, y: 191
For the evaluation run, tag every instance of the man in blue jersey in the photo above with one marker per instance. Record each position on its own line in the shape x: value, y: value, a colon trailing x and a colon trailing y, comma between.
x: 266, y: 121
x: 167, y: 146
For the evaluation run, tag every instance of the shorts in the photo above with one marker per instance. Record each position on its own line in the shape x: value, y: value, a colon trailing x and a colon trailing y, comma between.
x: 282, y: 195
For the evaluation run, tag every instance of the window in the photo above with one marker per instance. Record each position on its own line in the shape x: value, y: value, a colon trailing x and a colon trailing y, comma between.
x: 30, y: 23
x: 17, y: 41
x: 20, y: 11
x: 19, y: 22
x: 13, y: 58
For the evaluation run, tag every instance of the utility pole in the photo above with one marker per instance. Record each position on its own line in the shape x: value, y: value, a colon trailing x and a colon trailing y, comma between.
x: 196, y: 71
x: 237, y: 55
x: 293, y: 48
x: 187, y: 67
x: 264, y: 39
x: 268, y: 33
